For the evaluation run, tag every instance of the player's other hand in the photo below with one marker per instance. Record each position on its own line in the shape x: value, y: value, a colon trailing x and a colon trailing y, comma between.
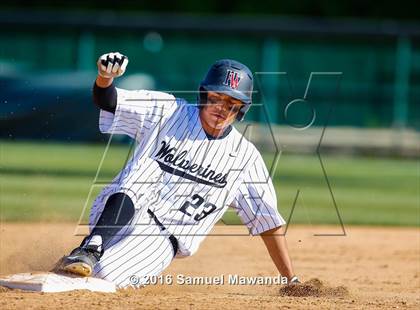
x: 294, y: 280
x: 112, y: 65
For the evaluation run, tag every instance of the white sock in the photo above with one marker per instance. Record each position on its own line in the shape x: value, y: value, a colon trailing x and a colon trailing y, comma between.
x: 96, y: 240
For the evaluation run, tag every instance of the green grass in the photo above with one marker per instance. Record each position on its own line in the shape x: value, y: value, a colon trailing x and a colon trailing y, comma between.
x: 51, y: 182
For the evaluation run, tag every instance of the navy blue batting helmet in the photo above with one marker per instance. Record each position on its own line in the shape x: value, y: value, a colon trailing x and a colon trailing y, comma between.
x: 232, y: 78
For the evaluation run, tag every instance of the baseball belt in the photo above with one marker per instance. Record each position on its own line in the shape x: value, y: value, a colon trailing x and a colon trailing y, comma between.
x: 172, y: 238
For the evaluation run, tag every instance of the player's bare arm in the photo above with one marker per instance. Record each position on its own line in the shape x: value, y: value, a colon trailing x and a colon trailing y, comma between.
x: 275, y: 241
x: 103, y: 82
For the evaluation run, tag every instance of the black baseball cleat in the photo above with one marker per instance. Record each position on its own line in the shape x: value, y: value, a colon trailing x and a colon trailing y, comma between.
x: 81, y: 261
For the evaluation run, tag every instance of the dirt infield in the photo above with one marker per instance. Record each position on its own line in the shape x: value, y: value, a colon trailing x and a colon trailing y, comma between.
x: 368, y: 268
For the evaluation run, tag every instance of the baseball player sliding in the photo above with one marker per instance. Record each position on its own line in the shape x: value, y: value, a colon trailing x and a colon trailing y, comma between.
x: 189, y: 165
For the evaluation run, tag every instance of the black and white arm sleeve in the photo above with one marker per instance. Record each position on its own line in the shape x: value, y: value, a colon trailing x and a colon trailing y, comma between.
x: 105, y: 98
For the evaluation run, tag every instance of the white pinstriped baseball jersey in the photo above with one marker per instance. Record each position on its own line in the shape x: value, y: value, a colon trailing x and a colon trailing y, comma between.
x: 185, y: 177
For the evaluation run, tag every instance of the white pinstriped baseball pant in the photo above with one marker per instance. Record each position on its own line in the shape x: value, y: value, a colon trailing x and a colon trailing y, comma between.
x: 132, y: 257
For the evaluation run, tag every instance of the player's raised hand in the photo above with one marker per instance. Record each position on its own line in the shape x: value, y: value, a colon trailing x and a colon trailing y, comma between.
x: 112, y: 65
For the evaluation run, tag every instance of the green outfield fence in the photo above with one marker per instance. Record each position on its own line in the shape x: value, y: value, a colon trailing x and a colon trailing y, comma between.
x: 376, y: 65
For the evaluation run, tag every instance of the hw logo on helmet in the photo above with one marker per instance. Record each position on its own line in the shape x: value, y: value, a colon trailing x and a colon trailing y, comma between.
x: 232, y: 79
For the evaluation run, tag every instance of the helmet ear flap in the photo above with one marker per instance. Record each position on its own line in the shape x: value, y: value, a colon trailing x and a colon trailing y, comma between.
x: 202, y: 97
x: 241, y: 114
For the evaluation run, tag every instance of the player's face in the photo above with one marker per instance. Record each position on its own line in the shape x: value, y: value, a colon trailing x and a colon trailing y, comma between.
x: 220, y: 111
